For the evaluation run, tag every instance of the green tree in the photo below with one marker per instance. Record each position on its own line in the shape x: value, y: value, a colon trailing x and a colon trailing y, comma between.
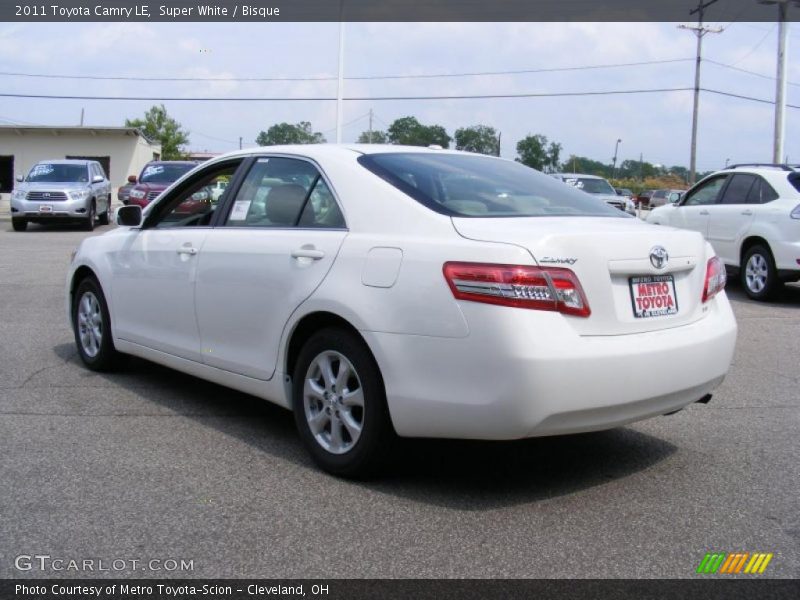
x: 477, y: 138
x: 158, y: 126
x: 532, y: 151
x: 373, y: 137
x: 410, y: 132
x: 587, y: 166
x: 553, y: 156
x: 286, y: 133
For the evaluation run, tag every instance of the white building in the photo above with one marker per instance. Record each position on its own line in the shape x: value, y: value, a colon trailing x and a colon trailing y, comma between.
x: 122, y: 151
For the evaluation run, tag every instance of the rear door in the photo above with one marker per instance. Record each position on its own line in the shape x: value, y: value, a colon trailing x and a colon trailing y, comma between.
x: 731, y: 217
x: 278, y: 240
x: 693, y: 211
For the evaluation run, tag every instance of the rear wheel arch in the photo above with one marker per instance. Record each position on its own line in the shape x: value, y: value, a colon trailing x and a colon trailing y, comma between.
x: 307, y: 327
x: 749, y: 242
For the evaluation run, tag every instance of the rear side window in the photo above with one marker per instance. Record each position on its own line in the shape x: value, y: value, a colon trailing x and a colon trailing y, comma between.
x: 284, y: 192
x: 479, y: 186
x: 794, y: 179
x: 739, y: 188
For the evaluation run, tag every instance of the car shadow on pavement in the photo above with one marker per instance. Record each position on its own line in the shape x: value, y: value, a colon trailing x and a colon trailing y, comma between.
x: 787, y: 297
x: 459, y: 474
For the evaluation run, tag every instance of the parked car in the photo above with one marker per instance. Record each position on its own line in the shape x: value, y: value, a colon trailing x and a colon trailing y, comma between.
x: 156, y: 176
x: 124, y: 191
x: 662, y: 197
x: 497, y: 310
x: 751, y: 216
x: 624, y: 192
x: 61, y: 191
x: 599, y: 188
x: 643, y: 199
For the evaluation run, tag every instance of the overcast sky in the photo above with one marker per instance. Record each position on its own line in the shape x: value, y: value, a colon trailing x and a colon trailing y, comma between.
x: 657, y: 125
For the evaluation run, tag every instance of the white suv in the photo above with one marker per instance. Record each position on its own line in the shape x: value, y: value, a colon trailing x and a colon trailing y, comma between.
x: 751, y: 216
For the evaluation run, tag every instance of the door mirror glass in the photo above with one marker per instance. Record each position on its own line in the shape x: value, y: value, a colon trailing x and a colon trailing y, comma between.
x: 674, y: 197
x: 20, y: 178
x: 130, y: 215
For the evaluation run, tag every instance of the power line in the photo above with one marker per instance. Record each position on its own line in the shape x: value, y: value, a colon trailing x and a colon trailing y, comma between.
x: 762, y: 75
x: 743, y: 97
x: 351, y: 78
x: 331, y: 98
x: 754, y: 48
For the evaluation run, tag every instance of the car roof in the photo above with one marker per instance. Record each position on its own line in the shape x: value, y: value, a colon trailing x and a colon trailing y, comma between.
x: 777, y: 176
x: 66, y: 161
x: 581, y: 175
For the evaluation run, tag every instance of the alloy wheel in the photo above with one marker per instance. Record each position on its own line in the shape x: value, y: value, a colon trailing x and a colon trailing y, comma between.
x: 90, y: 324
x: 756, y: 273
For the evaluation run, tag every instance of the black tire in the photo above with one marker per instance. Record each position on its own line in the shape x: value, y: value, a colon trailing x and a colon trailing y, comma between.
x: 366, y: 453
x: 103, y: 219
x: 106, y: 358
x: 19, y: 224
x: 88, y: 224
x: 755, y: 287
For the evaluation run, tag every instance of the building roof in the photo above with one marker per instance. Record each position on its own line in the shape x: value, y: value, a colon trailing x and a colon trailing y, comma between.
x: 91, y: 129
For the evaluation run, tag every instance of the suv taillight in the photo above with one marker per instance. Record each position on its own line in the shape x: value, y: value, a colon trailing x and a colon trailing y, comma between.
x: 715, y: 278
x: 518, y: 286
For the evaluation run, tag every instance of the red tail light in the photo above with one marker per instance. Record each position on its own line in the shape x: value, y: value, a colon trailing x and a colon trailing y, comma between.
x: 715, y: 278
x: 519, y: 286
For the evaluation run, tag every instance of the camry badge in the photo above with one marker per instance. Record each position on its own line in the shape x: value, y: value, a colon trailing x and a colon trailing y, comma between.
x: 658, y: 257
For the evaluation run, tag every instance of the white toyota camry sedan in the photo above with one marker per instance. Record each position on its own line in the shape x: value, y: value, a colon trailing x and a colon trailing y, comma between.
x: 383, y: 291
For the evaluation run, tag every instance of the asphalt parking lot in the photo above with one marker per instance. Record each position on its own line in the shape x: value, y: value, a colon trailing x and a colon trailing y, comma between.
x: 152, y: 464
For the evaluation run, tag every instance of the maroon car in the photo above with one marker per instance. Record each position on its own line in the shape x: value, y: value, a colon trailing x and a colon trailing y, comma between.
x: 155, y: 178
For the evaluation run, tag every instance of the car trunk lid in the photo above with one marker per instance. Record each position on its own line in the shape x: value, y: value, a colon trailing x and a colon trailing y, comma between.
x: 610, y: 256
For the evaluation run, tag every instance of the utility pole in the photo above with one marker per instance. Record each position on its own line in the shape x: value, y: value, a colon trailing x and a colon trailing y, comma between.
x: 699, y: 30
x: 370, y: 126
x: 81, y: 117
x: 340, y: 86
x: 240, y: 142
x: 780, y: 85
x: 499, y: 137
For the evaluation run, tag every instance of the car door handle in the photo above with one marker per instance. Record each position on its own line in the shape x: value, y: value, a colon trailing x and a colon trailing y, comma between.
x: 187, y: 250
x: 308, y: 253
x: 703, y: 212
x: 747, y: 212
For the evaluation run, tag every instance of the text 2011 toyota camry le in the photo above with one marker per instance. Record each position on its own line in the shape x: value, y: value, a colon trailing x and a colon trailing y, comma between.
x: 382, y: 290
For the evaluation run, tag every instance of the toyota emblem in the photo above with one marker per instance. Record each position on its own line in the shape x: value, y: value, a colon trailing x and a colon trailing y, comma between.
x: 659, y: 257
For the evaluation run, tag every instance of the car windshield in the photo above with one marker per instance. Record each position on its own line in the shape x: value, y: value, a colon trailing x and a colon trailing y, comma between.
x: 164, y: 173
x: 479, y: 186
x: 590, y: 185
x: 58, y: 172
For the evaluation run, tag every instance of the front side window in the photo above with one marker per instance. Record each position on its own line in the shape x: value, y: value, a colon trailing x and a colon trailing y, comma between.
x: 58, y: 173
x: 284, y: 192
x: 479, y: 186
x: 194, y: 204
x: 706, y: 193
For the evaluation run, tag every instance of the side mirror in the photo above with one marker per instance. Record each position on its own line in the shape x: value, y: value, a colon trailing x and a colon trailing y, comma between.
x: 98, y: 179
x: 129, y: 216
x: 132, y: 179
x: 20, y: 178
x: 674, y: 197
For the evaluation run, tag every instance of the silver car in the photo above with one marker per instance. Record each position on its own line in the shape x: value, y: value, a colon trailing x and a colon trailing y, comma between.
x: 62, y: 190
x: 599, y: 188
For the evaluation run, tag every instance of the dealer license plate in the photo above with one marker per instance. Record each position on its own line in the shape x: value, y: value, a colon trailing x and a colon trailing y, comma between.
x: 653, y: 296
x: 45, y: 208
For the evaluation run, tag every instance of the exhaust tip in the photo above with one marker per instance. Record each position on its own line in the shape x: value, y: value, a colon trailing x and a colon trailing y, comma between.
x: 705, y: 399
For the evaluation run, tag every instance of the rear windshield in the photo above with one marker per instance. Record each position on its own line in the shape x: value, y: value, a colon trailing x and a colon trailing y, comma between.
x: 58, y: 173
x: 164, y: 173
x: 590, y: 185
x: 479, y: 186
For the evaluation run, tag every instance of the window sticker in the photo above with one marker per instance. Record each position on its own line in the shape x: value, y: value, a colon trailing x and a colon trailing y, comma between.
x: 240, y: 209
x: 150, y: 171
x: 44, y: 169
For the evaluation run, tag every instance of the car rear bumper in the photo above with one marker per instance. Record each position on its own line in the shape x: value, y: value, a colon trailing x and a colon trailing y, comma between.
x: 527, y: 373
x: 787, y: 255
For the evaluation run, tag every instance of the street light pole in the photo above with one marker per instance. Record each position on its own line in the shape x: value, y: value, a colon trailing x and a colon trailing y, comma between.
x: 614, y: 164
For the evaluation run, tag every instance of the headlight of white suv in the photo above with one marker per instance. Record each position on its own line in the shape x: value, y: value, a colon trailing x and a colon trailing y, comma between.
x: 78, y: 194
x: 18, y: 195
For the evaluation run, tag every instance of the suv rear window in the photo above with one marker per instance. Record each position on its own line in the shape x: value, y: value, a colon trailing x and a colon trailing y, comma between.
x: 794, y: 179
x: 480, y: 186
